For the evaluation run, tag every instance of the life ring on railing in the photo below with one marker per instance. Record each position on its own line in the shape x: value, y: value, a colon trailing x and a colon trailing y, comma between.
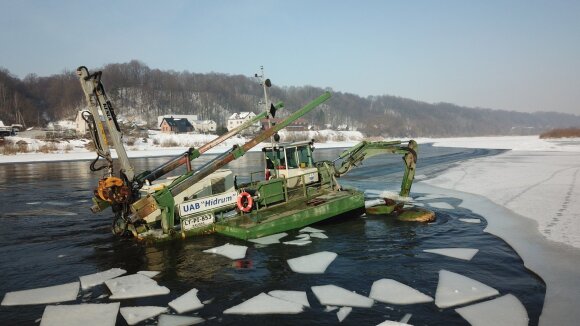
x: 245, y: 202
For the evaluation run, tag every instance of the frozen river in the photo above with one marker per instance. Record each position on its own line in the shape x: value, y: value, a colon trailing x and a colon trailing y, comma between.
x: 49, y: 237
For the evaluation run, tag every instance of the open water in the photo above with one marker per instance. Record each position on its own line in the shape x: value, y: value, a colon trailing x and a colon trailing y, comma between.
x: 49, y: 237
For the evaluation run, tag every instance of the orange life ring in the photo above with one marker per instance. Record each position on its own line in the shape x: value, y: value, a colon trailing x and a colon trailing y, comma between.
x: 245, y: 202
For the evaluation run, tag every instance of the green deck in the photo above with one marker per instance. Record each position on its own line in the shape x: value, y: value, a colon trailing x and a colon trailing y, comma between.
x: 292, y: 215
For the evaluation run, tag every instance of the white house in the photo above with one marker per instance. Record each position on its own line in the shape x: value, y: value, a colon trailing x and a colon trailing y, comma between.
x: 204, y: 126
x: 236, y: 119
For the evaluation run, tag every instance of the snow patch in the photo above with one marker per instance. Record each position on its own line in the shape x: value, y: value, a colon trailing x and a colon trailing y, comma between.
x: 312, y: 264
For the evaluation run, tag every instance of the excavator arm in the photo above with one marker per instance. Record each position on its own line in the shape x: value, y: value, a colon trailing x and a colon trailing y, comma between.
x: 354, y: 157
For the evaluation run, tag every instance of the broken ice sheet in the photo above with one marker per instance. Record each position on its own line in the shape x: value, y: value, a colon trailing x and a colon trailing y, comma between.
x: 470, y: 220
x: 310, y: 230
x: 391, y: 291
x: 392, y: 323
x: 332, y: 295
x: 271, y: 239
x: 319, y: 235
x: 134, y: 315
x: 149, y: 274
x: 173, y: 320
x: 459, y: 253
x: 298, y: 242
x: 186, y: 302
x: 312, y: 264
x: 104, y: 314
x: 134, y: 286
x: 88, y: 281
x: 503, y: 311
x: 229, y: 250
x: 292, y: 296
x: 442, y: 205
x: 455, y: 289
x: 303, y: 236
x: 343, y: 313
x: 51, y: 294
x: 265, y: 304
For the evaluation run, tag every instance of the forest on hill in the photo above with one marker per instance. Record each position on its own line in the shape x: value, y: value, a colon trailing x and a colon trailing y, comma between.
x: 142, y: 93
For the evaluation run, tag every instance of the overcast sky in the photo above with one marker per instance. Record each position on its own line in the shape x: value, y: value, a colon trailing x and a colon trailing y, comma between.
x: 512, y: 55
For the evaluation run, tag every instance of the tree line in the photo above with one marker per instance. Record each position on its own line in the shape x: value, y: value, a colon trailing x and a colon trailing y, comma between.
x: 140, y: 92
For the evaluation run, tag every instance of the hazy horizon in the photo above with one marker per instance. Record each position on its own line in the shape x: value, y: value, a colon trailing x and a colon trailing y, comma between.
x: 516, y: 56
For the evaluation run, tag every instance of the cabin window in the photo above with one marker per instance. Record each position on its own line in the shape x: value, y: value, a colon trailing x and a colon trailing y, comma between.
x: 291, y: 158
x: 305, y: 157
x: 274, y: 158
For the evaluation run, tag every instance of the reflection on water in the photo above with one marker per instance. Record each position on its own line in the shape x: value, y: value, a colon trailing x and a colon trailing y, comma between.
x: 49, y: 237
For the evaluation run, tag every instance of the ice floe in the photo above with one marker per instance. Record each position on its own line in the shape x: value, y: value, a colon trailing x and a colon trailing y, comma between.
x: 310, y: 230
x: 299, y: 242
x: 393, y: 323
x: 186, y: 302
x: 134, y: 315
x: 442, y: 205
x: 343, y: 313
x: 88, y: 281
x: 333, y: 295
x: 312, y: 264
x: 455, y: 289
x: 459, y: 253
x: 229, y: 250
x: 503, y: 311
x: 102, y: 314
x: 470, y: 220
x: 265, y: 304
x: 394, y: 292
x: 134, y: 286
x: 292, y: 296
x: 319, y: 235
x: 303, y: 236
x: 271, y: 239
x: 149, y: 274
x: 51, y: 294
x: 173, y: 320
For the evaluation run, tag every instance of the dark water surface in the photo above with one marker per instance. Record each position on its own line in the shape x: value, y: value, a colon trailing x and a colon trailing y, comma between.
x: 49, y: 237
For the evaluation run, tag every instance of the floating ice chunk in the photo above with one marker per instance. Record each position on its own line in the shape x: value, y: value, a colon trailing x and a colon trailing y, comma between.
x: 391, y: 291
x: 265, y: 304
x: 319, y: 235
x: 392, y: 323
x: 173, y: 320
x: 312, y: 264
x: 88, y: 281
x: 470, y: 220
x: 104, y: 314
x: 271, y: 239
x: 336, y: 296
x: 303, y: 236
x: 298, y: 242
x: 186, y: 302
x: 506, y: 310
x: 134, y: 286
x: 442, y: 205
x: 51, y: 294
x: 455, y: 289
x: 343, y: 313
x: 310, y: 230
x: 229, y: 250
x: 405, y: 318
x: 149, y: 274
x: 330, y: 308
x: 134, y: 315
x: 459, y: 253
x: 374, y: 202
x: 292, y: 296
